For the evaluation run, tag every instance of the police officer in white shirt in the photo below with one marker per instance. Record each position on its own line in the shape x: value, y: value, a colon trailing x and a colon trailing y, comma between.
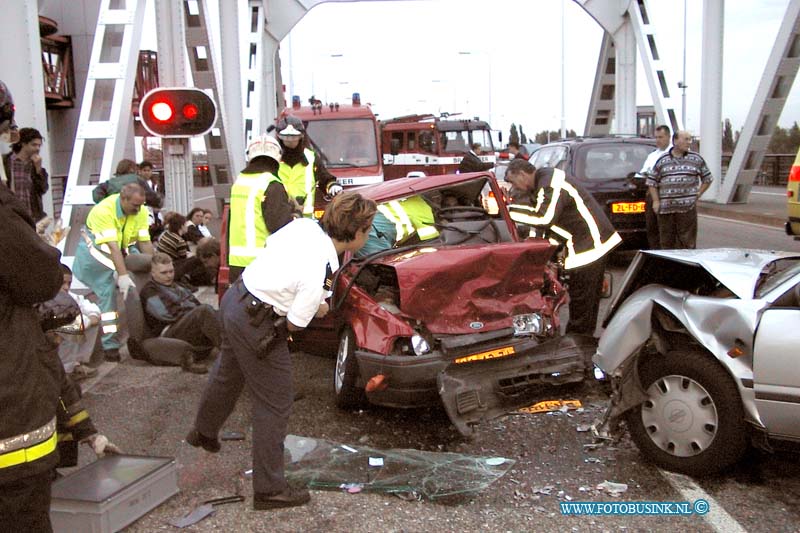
x: 651, y: 217
x: 283, y: 288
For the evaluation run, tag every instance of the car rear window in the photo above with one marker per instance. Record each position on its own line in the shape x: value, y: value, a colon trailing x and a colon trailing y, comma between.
x: 606, y: 161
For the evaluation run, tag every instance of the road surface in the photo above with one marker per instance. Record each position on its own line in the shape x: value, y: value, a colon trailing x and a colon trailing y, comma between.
x: 148, y: 410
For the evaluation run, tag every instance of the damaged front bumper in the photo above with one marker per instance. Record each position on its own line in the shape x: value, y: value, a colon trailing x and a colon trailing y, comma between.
x: 480, y: 391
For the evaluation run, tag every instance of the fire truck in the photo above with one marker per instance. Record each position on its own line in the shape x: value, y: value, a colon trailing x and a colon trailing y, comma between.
x: 415, y: 145
x: 346, y: 135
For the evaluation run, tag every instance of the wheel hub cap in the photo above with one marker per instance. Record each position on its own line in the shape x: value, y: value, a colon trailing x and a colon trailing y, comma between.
x: 680, y: 416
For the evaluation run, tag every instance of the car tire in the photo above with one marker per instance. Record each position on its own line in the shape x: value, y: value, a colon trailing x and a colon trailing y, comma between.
x: 345, y: 375
x: 693, y: 421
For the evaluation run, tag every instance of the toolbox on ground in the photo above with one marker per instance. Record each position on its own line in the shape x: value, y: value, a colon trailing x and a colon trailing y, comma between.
x: 112, y: 492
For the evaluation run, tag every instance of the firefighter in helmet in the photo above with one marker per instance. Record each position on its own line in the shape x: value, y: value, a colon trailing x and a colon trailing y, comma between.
x: 302, y: 171
x: 259, y: 204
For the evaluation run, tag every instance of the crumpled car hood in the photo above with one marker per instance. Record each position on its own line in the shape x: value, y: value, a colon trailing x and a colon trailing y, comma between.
x: 737, y: 269
x: 469, y: 289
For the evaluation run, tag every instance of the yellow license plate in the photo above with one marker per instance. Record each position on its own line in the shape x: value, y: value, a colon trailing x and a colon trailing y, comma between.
x: 485, y: 356
x: 551, y: 405
x: 627, y: 207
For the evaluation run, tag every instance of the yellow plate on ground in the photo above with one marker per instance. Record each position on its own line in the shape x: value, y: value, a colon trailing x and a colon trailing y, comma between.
x: 551, y: 405
x: 485, y: 356
x: 627, y: 207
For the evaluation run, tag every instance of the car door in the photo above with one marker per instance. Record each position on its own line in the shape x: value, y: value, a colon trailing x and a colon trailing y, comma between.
x: 776, y: 369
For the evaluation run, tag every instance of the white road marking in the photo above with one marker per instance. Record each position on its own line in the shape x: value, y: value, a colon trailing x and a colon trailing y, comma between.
x: 781, y: 194
x: 716, y: 517
x: 204, y: 198
x: 733, y: 220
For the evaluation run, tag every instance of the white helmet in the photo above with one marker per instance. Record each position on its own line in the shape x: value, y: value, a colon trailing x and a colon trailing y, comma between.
x: 264, y: 145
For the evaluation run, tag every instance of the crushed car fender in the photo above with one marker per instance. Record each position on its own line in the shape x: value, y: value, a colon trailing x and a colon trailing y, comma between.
x: 481, y: 391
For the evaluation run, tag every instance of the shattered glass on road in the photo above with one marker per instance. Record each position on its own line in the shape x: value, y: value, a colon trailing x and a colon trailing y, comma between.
x: 321, y: 464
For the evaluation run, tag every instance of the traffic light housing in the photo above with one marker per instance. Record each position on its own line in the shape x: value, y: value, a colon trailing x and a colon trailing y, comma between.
x: 177, y: 112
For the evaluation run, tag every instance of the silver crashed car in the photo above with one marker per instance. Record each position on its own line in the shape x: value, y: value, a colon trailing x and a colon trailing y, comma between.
x: 702, y: 348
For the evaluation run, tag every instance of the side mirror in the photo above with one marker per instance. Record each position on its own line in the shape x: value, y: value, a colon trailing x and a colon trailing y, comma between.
x: 608, y: 285
x: 395, y: 147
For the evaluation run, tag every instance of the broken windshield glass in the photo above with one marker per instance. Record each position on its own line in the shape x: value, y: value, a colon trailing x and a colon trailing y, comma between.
x: 322, y: 464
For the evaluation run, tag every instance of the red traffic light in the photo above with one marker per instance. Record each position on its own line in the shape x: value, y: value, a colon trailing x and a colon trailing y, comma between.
x: 177, y: 112
x: 190, y: 111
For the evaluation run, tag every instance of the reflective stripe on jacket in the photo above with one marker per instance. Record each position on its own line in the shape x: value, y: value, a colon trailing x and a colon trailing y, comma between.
x: 410, y: 215
x: 29, y: 446
x: 247, y: 231
x: 572, y: 215
x: 300, y: 181
x: 108, y: 223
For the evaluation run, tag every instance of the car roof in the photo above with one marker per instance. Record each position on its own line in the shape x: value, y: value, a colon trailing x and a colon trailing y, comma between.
x: 401, y: 187
x: 601, y: 140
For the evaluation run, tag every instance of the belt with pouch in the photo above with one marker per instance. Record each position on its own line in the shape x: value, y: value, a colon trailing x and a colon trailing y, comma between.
x: 259, y: 312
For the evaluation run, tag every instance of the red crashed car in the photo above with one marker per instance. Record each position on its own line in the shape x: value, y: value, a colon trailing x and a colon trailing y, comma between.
x: 469, y: 317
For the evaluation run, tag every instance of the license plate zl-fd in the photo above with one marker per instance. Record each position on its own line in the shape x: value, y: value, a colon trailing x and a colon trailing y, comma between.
x: 627, y: 207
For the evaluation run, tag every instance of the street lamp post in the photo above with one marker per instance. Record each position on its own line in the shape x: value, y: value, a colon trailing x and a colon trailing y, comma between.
x: 683, y: 81
x: 489, y: 62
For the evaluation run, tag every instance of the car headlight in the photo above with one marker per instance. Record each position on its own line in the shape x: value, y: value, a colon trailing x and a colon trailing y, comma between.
x: 530, y: 324
x: 420, y: 345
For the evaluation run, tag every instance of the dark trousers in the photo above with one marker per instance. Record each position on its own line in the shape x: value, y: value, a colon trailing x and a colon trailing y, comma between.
x: 678, y: 230
x: 25, y: 504
x: 651, y: 222
x: 199, y: 327
x: 585, y: 285
x: 269, y: 378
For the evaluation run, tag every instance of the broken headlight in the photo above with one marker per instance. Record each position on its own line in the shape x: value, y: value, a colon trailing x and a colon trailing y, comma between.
x: 420, y: 345
x: 530, y: 324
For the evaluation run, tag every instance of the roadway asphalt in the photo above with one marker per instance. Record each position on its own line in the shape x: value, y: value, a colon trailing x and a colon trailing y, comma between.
x: 147, y: 410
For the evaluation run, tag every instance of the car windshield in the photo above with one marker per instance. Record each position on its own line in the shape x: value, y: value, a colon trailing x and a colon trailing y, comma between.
x: 345, y: 143
x: 549, y: 157
x: 606, y: 161
x: 775, y: 274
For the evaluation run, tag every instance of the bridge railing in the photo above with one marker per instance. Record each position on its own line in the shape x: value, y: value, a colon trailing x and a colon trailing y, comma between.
x: 774, y: 169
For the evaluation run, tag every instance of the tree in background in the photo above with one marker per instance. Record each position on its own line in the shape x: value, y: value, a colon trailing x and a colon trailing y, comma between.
x: 513, y: 137
x: 544, y: 136
x: 785, y: 141
x: 524, y: 139
x: 728, y: 143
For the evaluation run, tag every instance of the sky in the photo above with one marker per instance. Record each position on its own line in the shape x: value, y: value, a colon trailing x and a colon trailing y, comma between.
x: 501, y: 60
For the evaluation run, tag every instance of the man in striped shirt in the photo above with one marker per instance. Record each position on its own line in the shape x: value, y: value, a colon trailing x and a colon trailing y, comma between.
x: 679, y: 178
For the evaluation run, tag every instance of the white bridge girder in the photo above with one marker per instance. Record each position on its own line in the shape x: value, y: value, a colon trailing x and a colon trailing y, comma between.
x: 628, y: 28
x: 770, y: 99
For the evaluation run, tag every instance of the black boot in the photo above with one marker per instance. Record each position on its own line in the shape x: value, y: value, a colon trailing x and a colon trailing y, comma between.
x: 289, y: 497
x: 197, y: 439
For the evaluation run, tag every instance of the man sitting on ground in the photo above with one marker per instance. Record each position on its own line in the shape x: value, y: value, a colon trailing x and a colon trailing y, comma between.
x: 201, y: 269
x: 171, y: 310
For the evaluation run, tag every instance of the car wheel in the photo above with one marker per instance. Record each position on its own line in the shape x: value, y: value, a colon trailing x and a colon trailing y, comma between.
x: 345, y: 375
x: 693, y: 421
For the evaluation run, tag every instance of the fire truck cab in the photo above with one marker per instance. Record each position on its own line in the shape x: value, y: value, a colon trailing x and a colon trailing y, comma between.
x: 347, y: 137
x: 431, y: 145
